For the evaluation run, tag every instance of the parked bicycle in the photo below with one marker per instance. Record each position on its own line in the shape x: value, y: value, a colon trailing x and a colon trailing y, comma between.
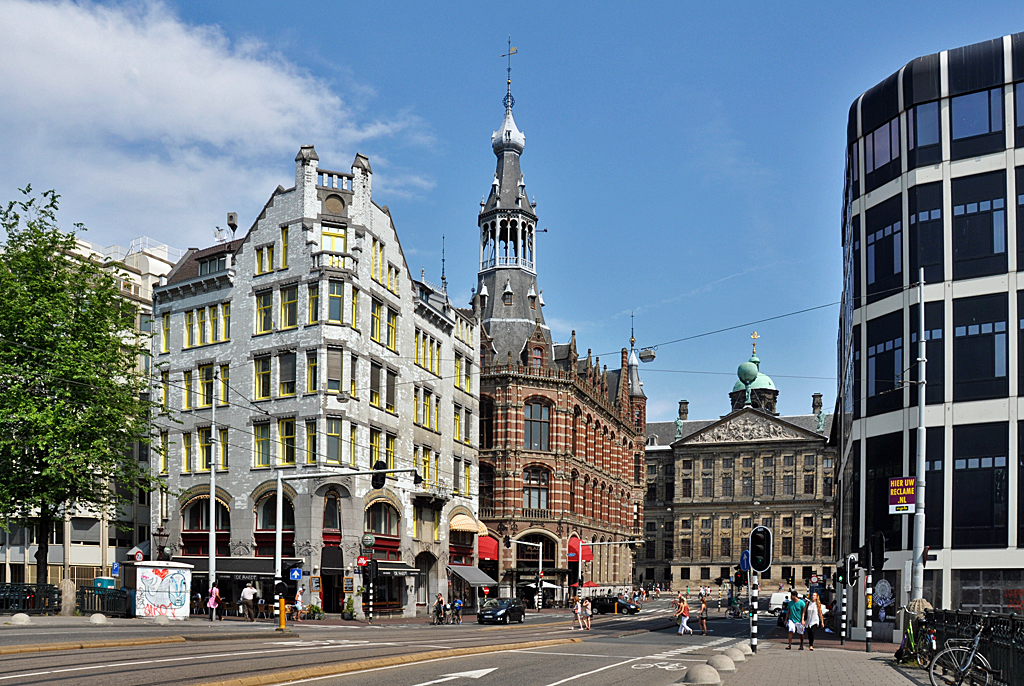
x: 961, y: 663
x: 919, y: 647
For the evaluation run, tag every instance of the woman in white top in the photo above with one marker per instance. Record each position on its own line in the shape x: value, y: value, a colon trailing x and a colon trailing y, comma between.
x: 577, y: 611
x: 812, y: 618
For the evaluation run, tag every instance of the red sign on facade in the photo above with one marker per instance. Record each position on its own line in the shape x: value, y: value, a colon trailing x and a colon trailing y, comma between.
x: 361, y: 561
x: 138, y: 556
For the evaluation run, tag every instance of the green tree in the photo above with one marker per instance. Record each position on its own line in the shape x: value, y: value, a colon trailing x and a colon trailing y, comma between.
x: 72, y: 400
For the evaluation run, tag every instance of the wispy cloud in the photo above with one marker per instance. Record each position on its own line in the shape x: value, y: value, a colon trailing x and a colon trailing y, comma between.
x: 147, y: 124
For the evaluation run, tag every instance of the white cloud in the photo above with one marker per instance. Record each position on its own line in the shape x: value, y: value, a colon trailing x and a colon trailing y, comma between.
x: 147, y: 124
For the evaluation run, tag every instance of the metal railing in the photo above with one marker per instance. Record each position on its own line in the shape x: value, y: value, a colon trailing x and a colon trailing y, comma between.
x: 32, y: 599
x: 108, y: 601
x: 1002, y: 643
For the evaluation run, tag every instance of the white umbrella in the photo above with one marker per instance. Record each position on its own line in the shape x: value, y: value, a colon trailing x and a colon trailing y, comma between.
x: 544, y: 585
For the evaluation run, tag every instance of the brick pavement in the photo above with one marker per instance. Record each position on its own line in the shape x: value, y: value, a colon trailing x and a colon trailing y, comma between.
x: 774, y: 665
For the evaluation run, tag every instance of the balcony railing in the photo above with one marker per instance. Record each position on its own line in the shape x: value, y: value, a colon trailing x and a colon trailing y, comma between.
x: 332, y: 179
x: 535, y: 513
x: 333, y: 260
x: 487, y: 512
x: 438, y: 488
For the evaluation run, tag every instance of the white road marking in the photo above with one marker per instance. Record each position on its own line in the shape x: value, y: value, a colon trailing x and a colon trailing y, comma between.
x: 475, y: 674
x: 594, y: 671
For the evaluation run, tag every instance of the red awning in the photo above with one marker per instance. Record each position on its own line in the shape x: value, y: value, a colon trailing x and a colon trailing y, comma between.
x: 574, y: 551
x: 590, y: 584
x: 488, y: 548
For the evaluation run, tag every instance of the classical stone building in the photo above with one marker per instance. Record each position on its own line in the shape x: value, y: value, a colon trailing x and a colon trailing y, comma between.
x: 320, y: 352
x: 561, y: 438
x: 709, y: 482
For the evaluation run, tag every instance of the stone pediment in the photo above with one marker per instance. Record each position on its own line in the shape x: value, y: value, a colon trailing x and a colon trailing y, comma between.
x: 748, y: 426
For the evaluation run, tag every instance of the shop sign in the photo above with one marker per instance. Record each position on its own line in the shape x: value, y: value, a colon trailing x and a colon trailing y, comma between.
x: 368, y: 540
x: 348, y: 584
x: 361, y: 561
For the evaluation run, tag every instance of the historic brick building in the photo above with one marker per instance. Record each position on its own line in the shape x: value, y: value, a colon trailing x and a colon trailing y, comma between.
x: 561, y: 438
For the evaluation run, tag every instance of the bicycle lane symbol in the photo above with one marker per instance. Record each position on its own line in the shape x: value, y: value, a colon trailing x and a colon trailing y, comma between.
x: 667, y: 666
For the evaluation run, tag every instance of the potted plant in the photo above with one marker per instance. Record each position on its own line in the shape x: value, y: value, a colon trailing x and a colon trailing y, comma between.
x: 350, y: 608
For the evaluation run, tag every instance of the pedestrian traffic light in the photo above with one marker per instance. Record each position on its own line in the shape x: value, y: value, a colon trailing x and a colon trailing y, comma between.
x: 878, y: 550
x: 508, y: 541
x: 760, y: 549
x: 852, y: 570
x: 738, y: 578
x: 379, y: 477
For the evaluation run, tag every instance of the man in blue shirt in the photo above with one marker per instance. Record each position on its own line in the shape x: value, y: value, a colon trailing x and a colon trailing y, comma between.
x: 796, y: 618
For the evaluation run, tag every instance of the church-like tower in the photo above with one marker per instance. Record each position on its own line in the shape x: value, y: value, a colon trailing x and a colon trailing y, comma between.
x: 510, y: 301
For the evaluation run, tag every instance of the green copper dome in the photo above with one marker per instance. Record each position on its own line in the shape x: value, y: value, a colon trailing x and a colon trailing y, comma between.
x: 750, y: 372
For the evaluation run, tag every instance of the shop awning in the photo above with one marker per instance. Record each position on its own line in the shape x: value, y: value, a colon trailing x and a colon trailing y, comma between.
x: 482, y: 529
x: 472, y: 575
x: 574, y: 551
x: 461, y: 522
x: 487, y: 548
x: 331, y: 560
x: 387, y: 568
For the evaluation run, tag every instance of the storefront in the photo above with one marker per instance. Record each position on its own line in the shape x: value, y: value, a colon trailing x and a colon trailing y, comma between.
x: 233, y: 573
x: 466, y: 582
x: 390, y: 592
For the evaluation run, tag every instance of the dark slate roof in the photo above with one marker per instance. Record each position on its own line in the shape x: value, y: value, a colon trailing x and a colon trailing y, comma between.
x: 613, y: 383
x: 188, y: 266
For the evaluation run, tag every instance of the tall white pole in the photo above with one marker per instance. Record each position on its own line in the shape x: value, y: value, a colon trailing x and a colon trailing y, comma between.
x: 917, y: 576
x: 278, y: 534
x: 213, y: 480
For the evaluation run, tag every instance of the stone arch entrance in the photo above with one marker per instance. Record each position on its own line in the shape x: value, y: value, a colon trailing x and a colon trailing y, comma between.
x: 426, y: 579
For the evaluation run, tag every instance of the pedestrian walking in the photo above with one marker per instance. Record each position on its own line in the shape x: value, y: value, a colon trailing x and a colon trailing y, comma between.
x: 812, y: 618
x: 703, y: 616
x: 587, y: 612
x: 213, y: 601
x: 796, y: 619
x: 683, y: 613
x: 248, y: 605
x: 297, y: 605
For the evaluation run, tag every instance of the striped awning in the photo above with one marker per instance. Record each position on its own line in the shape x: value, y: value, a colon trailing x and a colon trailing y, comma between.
x: 482, y: 529
x: 461, y: 522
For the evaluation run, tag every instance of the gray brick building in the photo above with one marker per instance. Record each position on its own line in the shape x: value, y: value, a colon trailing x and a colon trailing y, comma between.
x: 319, y: 350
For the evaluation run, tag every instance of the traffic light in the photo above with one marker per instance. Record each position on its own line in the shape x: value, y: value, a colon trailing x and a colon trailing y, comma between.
x: 761, y: 549
x: 878, y: 550
x: 508, y: 541
x: 839, y: 577
x: 738, y: 578
x: 371, y: 569
x: 852, y: 570
x: 379, y: 477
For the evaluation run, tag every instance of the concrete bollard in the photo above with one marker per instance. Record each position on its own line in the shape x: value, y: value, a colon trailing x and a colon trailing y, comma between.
x: 735, y: 655
x: 67, y: 598
x: 702, y: 674
x: 20, y: 619
x: 744, y: 648
x: 722, y: 663
x: 98, y: 619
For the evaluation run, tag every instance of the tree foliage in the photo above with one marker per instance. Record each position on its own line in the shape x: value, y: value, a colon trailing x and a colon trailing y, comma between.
x: 72, y: 399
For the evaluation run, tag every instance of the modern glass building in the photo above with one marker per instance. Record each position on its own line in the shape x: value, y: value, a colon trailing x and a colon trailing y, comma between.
x: 935, y: 180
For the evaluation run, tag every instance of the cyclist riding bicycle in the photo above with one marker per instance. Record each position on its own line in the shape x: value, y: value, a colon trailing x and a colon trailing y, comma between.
x: 438, y: 614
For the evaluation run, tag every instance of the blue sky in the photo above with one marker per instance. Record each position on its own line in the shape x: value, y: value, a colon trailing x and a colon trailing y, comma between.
x: 686, y: 158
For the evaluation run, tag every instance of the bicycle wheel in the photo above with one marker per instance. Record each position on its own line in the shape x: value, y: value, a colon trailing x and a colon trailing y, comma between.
x: 924, y: 653
x: 948, y: 668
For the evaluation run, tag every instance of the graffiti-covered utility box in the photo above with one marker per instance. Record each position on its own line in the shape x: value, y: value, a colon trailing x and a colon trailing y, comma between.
x: 161, y: 588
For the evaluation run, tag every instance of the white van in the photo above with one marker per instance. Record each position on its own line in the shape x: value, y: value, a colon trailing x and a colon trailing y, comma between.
x: 776, y: 602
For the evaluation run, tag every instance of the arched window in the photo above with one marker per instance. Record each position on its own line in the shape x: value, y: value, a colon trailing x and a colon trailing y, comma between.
x: 486, y: 423
x: 573, y: 495
x: 526, y: 555
x: 196, y: 516
x: 537, y: 359
x: 535, y: 488
x: 575, y: 432
x: 381, y: 518
x: 332, y: 519
x: 537, y: 426
x: 266, y: 514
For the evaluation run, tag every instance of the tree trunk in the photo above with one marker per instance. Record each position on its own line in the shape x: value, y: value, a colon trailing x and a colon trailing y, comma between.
x: 43, y: 541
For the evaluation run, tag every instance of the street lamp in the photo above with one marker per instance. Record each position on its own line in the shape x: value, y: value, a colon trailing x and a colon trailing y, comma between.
x: 160, y: 538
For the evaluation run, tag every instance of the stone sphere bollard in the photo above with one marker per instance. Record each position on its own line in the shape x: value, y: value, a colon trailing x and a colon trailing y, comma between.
x: 161, y: 620
x: 20, y: 619
x: 744, y: 648
x: 98, y: 619
x: 734, y: 654
x: 721, y: 663
x: 702, y: 674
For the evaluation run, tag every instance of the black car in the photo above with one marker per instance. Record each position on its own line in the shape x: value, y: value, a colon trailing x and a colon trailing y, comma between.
x: 603, y: 604
x: 501, y: 610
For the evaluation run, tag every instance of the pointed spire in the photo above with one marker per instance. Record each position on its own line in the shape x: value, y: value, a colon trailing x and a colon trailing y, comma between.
x: 444, y: 281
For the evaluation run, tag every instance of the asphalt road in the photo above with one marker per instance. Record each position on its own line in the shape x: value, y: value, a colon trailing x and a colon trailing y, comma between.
x: 615, y: 647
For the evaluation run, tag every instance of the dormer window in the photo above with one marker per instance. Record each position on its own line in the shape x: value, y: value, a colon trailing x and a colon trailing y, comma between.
x: 537, y: 359
x: 533, y: 302
x: 217, y: 264
x: 506, y: 297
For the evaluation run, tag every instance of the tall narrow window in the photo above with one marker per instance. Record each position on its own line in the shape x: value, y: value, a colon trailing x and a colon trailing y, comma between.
x: 979, y: 225
x: 389, y: 450
x: 390, y: 391
x: 374, y: 447
x: 206, y: 385
x: 456, y: 481
x: 284, y: 248
x: 261, y: 433
x: 923, y: 140
x: 535, y: 489
x: 375, y: 377
x: 457, y: 423
x: 466, y: 473
x: 186, y: 452
x: 392, y: 337
x: 224, y: 385
x: 980, y: 347
x: 331, y: 519
x: 201, y: 321
x: 885, y: 363
x: 334, y: 441
x: 205, y: 449
x: 375, y: 309
x: 165, y: 382
x: 333, y: 370
x: 165, y: 341
x: 354, y: 316
x: 312, y: 382
x: 286, y: 433
x: 926, y: 234
x: 289, y: 307
x: 537, y: 359
x: 353, y: 375
x: 264, y: 312
x: 189, y: 329
x: 335, y: 296
x: 286, y: 370
x: 223, y: 441
x: 260, y: 257
x: 164, y: 447
x: 884, y: 249
x: 314, y: 303
x: 214, y: 324
x: 536, y: 426
x: 226, y: 311
x: 262, y: 367
x: 186, y: 402
x: 353, y: 434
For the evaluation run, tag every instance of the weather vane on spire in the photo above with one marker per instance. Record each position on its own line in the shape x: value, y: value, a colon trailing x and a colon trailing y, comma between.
x: 754, y: 337
x: 632, y: 337
x: 509, y: 101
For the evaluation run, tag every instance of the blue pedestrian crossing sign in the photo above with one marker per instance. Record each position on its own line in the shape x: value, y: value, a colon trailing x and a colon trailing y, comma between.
x: 295, y: 574
x: 115, y: 569
x: 745, y: 560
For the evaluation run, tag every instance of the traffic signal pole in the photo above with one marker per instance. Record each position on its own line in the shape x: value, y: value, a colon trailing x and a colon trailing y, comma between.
x: 842, y: 632
x: 754, y: 583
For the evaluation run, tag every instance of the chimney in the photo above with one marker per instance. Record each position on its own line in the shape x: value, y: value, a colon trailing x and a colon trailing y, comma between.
x: 816, y: 403
x: 684, y: 409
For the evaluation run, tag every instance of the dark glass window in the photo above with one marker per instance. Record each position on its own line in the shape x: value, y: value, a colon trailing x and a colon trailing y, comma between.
x: 767, y: 485
x: 934, y: 349
x: 980, y: 485
x: 885, y: 363
x: 977, y: 123
x: 1018, y: 106
x: 853, y: 164
x: 536, y: 426
x: 884, y: 460
x: 1020, y: 343
x: 924, y: 144
x: 856, y: 261
x: 1020, y: 485
x: 883, y: 248
x: 979, y: 225
x: 926, y: 232
x: 535, y: 489
x: 687, y: 488
x: 980, y: 347
x: 882, y: 154
x: 1020, y: 213
x: 857, y: 386
x: 934, y: 494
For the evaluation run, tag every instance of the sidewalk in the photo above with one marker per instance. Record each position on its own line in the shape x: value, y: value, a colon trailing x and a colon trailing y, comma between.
x: 826, y: 666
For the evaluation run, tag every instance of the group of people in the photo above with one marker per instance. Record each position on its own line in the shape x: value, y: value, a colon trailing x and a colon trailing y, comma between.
x: 803, y: 617
x: 214, y: 601
x: 581, y: 613
x: 682, y: 613
x: 441, y: 610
